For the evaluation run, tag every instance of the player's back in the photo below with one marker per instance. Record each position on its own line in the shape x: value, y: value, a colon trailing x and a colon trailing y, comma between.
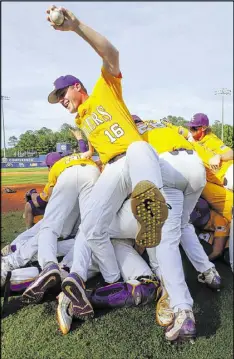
x: 162, y: 137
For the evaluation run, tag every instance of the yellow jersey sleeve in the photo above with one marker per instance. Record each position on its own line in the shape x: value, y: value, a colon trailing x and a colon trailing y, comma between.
x: 105, y: 119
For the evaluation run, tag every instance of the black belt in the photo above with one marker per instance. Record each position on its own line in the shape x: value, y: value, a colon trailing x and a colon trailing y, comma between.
x: 176, y: 152
x: 116, y: 158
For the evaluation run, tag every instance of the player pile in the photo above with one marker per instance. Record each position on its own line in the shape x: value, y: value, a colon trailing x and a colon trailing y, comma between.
x: 152, y: 182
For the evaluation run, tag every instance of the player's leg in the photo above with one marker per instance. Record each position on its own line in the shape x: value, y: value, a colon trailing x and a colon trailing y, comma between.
x: 107, y: 196
x: 219, y: 198
x: 21, y: 239
x: 28, y: 252
x: 193, y: 247
x: 169, y: 260
x: 28, y: 214
x: 148, y: 203
x: 63, y: 200
x: 168, y: 255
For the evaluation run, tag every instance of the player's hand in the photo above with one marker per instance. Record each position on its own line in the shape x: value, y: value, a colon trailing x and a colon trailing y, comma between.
x: 215, y: 162
x: 70, y: 22
x: 86, y: 155
x: 76, y: 133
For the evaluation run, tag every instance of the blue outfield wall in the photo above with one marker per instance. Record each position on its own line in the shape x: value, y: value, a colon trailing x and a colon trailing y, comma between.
x: 23, y: 162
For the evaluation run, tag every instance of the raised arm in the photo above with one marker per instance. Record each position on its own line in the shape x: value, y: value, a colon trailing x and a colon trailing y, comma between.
x: 99, y: 43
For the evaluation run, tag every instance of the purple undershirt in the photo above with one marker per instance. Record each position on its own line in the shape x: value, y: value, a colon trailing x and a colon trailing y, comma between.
x: 82, y: 145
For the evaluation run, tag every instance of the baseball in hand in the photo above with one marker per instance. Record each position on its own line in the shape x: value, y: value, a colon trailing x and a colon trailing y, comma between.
x: 57, y: 17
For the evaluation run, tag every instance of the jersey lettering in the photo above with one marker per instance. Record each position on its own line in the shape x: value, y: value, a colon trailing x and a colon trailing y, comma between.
x: 114, y: 132
x: 151, y: 125
x: 68, y: 159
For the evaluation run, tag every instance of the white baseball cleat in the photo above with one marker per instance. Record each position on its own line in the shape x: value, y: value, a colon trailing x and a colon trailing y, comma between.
x: 183, y: 327
x: 5, y: 267
x: 64, y: 313
x: 5, y: 251
x: 211, y: 278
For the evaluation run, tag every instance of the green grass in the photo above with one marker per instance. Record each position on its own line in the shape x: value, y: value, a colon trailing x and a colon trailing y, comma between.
x: 31, y: 332
x: 40, y: 177
x: 31, y: 169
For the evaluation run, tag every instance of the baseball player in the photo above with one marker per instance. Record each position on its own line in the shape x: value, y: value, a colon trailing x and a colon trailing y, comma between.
x: 222, y: 160
x: 70, y: 180
x: 206, y: 219
x: 184, y: 178
x: 35, y: 206
x: 108, y: 126
x: 141, y: 285
x: 214, y: 192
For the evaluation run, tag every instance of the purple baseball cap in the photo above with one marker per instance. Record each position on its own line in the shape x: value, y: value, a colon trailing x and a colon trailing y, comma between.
x: 61, y: 83
x: 52, y: 158
x: 201, y: 213
x: 198, y: 120
x: 136, y: 119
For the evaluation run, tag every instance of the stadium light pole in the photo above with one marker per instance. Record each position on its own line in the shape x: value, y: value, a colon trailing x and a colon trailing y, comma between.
x: 3, y: 123
x: 223, y: 92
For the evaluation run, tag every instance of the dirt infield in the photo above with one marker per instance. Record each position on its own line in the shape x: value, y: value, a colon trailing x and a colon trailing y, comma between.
x: 15, y: 201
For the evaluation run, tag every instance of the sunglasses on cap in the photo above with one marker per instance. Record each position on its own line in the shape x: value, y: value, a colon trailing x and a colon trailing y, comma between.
x: 195, y: 128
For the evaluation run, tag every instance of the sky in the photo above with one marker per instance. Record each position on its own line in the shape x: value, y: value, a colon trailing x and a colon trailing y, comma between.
x: 173, y: 56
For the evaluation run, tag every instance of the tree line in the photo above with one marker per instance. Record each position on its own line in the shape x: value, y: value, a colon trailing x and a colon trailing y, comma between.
x: 39, y: 142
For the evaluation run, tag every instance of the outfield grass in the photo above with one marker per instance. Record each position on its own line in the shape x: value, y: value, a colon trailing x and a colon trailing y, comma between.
x: 31, y: 169
x: 40, y: 177
x: 31, y: 332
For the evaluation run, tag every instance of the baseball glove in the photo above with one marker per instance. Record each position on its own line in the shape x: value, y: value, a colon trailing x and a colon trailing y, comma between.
x: 9, y: 190
x: 29, y: 193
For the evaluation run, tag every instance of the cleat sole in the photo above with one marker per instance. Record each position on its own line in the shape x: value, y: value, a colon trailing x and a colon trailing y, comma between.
x: 150, y: 210
x: 35, y: 295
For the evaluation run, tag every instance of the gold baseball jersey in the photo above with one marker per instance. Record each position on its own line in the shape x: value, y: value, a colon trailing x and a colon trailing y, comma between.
x: 66, y: 162
x: 105, y: 119
x: 162, y: 137
x: 207, y: 148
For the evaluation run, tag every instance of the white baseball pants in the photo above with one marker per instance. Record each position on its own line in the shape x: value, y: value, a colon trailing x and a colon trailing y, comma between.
x: 71, y: 191
x: 131, y: 264
x: 112, y: 188
x: 70, y: 228
x: 28, y: 251
x: 184, y: 178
